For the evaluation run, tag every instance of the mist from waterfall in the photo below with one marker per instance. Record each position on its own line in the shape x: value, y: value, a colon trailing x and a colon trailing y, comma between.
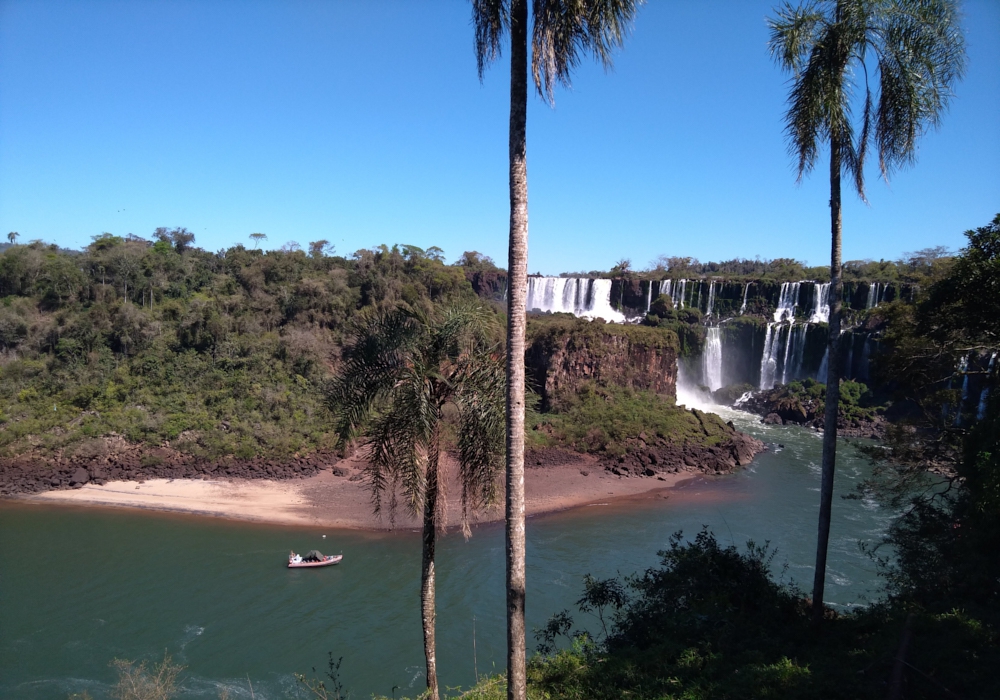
x: 587, y: 298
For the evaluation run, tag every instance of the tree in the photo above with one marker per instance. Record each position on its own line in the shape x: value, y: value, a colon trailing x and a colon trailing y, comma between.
x: 258, y: 238
x: 562, y: 31
x: 320, y: 248
x: 13, y: 236
x: 915, y: 50
x: 401, y: 370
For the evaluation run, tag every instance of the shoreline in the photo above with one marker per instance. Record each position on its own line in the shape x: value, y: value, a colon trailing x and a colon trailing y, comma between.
x: 332, y: 501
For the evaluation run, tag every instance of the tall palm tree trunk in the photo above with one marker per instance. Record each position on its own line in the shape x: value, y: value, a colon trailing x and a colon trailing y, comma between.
x: 832, y: 385
x: 428, y: 611
x: 517, y: 275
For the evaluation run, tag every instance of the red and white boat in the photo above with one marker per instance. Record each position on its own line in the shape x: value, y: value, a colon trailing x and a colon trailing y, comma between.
x: 298, y: 562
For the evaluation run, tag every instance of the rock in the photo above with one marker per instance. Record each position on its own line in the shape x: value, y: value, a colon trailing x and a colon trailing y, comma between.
x: 773, y: 419
x: 585, y: 472
x: 339, y: 471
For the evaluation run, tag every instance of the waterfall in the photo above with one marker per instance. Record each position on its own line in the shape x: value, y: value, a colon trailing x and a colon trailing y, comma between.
x: 711, y: 298
x: 823, y: 366
x: 821, y: 303
x: 787, y: 302
x: 768, y: 364
x: 649, y: 296
x: 698, y: 303
x: 985, y: 395
x: 873, y: 296
x: 795, y: 348
x: 681, y: 296
x: 588, y: 298
x: 744, y: 306
x: 788, y: 347
x: 713, y: 359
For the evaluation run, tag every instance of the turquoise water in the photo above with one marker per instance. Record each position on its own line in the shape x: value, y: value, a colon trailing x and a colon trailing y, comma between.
x: 79, y: 587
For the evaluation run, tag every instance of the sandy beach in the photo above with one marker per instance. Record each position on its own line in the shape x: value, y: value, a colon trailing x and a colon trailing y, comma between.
x: 335, y: 501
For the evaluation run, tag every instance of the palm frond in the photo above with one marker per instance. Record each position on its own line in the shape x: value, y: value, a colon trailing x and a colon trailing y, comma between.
x: 378, y: 353
x: 482, y: 434
x: 564, y: 29
x: 491, y: 19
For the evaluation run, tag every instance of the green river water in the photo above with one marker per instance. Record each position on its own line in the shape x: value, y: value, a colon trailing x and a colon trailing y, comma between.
x: 79, y: 587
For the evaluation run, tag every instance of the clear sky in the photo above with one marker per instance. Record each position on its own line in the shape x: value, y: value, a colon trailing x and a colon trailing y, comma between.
x: 365, y: 123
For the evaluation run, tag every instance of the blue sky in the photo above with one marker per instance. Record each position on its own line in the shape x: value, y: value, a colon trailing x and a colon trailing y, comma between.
x: 365, y: 123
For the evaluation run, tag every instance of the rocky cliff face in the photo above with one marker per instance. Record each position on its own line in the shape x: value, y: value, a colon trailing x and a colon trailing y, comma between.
x: 564, y: 353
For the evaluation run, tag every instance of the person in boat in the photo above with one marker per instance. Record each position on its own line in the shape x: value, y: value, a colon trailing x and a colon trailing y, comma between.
x: 295, y: 558
x: 314, y: 555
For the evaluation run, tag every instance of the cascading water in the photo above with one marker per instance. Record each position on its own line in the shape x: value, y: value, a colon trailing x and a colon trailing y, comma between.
x: 649, y: 297
x: 588, y: 298
x: 713, y: 358
x: 787, y: 301
x: 683, y: 288
x: 711, y: 298
x: 744, y: 306
x: 821, y: 303
x: 769, y: 360
x: 873, y: 296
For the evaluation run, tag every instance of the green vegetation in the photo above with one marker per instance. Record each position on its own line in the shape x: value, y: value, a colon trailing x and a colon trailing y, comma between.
x: 216, y: 353
x: 604, y: 419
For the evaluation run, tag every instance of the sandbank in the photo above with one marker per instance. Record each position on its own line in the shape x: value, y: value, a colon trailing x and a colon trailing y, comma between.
x: 328, y: 500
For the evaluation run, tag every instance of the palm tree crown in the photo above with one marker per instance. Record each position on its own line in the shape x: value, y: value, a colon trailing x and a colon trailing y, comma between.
x: 896, y: 60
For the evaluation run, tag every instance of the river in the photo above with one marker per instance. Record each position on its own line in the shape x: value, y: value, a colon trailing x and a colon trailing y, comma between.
x: 81, y: 586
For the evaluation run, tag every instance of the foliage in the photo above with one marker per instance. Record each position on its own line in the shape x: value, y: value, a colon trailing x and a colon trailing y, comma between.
x: 217, y: 354
x: 712, y: 622
x: 602, y: 419
x: 401, y: 370
x: 140, y: 681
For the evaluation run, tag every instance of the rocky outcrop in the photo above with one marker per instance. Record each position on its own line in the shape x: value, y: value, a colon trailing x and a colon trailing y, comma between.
x: 779, y: 407
x: 647, y: 456
x: 564, y: 353
x: 118, y: 460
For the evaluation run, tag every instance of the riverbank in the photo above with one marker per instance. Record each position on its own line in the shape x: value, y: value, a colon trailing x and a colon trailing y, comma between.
x: 338, y: 497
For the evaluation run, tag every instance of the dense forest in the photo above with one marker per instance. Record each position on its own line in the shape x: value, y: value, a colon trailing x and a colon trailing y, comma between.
x: 160, y: 342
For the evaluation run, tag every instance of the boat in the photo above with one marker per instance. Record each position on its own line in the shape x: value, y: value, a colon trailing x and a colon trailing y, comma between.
x: 312, y: 560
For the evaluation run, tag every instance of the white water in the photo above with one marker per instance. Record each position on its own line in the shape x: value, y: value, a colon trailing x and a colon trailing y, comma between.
x: 587, y: 298
x: 744, y: 306
x: 649, y: 297
x: 874, y: 295
x: 713, y: 358
x: 787, y: 302
x: 711, y: 298
x: 821, y: 303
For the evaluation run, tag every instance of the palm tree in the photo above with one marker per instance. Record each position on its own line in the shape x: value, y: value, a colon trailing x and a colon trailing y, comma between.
x: 401, y: 369
x: 12, y: 236
x: 836, y: 51
x: 562, y: 31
